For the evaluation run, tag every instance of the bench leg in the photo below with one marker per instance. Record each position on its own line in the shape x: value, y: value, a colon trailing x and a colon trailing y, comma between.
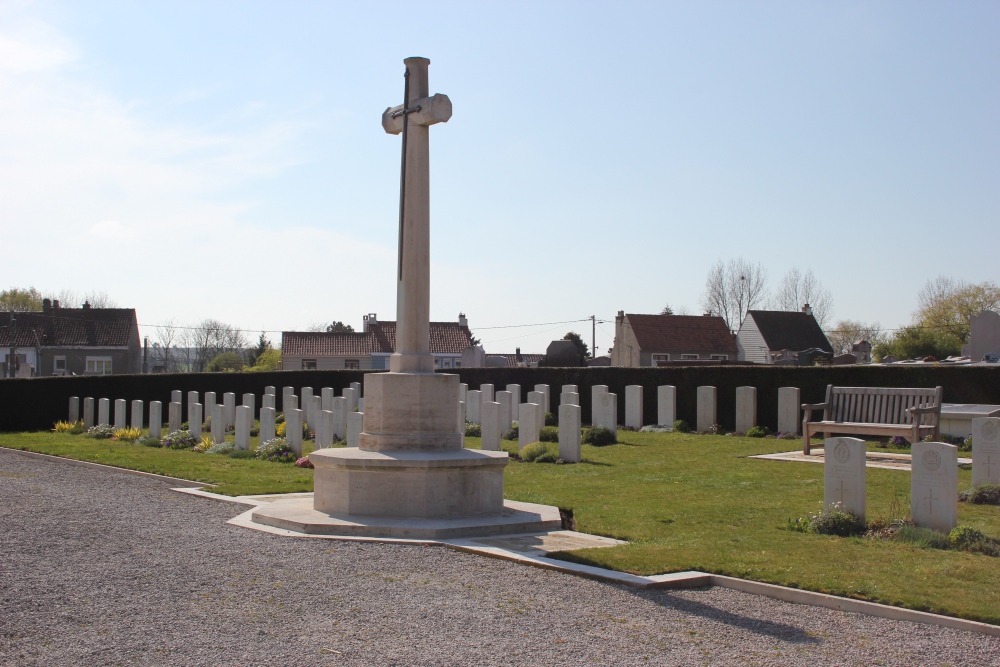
x: 805, y: 439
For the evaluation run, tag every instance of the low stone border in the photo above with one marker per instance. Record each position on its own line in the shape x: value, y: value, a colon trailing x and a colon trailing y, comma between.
x: 52, y: 457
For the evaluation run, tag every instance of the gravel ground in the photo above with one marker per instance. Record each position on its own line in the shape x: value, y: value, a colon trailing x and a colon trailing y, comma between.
x: 103, y: 568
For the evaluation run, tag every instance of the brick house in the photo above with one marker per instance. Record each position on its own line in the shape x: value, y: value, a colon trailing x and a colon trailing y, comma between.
x: 369, y: 349
x: 654, y: 340
x: 73, y: 341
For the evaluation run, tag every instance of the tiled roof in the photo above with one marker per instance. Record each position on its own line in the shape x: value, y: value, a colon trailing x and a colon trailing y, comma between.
x: 512, y: 358
x: 65, y: 327
x: 789, y: 330
x: 445, y: 338
x: 670, y: 333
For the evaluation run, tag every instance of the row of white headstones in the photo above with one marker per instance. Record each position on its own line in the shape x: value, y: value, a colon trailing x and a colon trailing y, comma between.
x: 496, y: 411
x: 331, y: 418
x: 933, y: 474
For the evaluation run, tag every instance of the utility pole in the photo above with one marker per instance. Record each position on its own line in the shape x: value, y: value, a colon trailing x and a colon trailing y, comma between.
x: 12, y: 359
x: 593, y: 337
x: 145, y: 355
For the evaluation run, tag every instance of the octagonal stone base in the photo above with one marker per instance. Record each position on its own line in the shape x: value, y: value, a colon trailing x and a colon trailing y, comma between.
x: 429, y: 485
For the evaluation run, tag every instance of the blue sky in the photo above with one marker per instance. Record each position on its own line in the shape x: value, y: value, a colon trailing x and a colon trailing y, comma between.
x: 225, y: 159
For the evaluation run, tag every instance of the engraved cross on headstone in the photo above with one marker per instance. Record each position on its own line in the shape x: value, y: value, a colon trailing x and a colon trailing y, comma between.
x: 930, y: 501
x: 413, y: 119
x: 841, y: 490
x: 989, y: 466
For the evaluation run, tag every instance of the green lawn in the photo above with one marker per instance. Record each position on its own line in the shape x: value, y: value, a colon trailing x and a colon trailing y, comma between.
x: 684, y: 502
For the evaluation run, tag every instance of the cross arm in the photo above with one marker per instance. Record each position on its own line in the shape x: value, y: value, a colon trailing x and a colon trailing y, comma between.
x: 435, y: 109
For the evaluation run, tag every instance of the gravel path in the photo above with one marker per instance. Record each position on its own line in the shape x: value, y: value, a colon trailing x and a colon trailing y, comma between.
x: 103, y: 568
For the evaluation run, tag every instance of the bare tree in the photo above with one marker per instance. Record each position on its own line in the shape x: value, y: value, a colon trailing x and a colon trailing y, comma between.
x: 797, y: 289
x: 163, y: 352
x: 212, y: 337
x: 734, y: 287
x: 846, y: 333
x: 99, y: 299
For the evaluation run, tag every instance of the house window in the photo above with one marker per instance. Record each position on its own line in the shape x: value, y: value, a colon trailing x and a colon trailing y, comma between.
x: 689, y: 356
x: 720, y: 357
x: 352, y: 364
x: 447, y: 362
x: 99, y: 365
x: 308, y: 364
x: 437, y: 362
x: 657, y: 358
x: 458, y: 364
x: 59, y: 364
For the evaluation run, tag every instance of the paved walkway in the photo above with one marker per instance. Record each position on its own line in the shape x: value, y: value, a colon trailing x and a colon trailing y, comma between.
x: 103, y: 568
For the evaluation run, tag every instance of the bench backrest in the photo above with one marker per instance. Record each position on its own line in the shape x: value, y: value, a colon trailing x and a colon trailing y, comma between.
x: 880, y: 405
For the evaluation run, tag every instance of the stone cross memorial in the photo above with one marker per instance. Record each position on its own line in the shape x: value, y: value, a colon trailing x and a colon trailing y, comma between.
x: 844, y: 474
x: 934, y: 485
x: 405, y: 471
x: 985, y: 451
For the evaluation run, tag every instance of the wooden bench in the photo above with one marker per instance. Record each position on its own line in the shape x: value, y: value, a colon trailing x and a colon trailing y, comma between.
x: 910, y: 413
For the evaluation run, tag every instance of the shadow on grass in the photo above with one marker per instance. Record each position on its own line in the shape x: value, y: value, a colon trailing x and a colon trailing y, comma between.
x: 596, y: 463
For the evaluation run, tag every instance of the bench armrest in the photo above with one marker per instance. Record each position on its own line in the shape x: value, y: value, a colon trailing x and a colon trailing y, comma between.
x: 923, y: 410
x: 815, y: 406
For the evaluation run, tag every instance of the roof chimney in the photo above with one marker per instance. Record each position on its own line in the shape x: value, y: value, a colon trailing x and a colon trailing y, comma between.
x: 620, y: 317
x: 46, y: 305
x: 86, y: 305
x: 807, y: 310
x: 462, y: 322
x: 55, y: 303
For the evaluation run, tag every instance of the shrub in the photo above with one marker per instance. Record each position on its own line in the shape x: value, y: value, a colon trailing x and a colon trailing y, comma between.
x: 682, y: 426
x: 537, y: 451
x: 510, y: 434
x: 149, y: 441
x: 304, y: 462
x: 68, y: 427
x: 834, y: 520
x: 756, y: 432
x: 279, y: 418
x: 254, y: 432
x: 716, y: 429
x: 128, y: 434
x: 598, y: 436
x: 473, y: 430
x: 984, y: 494
x: 654, y: 428
x: 279, y: 430
x: 221, y: 448
x: 899, y: 441
x: 966, y: 445
x: 204, y: 444
x: 101, y: 432
x: 225, y: 362
x: 276, y: 451
x: 180, y: 440
x: 550, y: 419
x: 962, y: 537
x: 549, y: 434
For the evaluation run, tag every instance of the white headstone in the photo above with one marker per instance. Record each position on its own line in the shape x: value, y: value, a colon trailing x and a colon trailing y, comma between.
x: 789, y: 410
x: 88, y: 412
x: 844, y: 474
x: 515, y: 400
x: 361, y: 404
x: 569, y: 398
x: 491, y: 425
x: 570, y: 389
x: 666, y: 405
x: 312, y: 412
x: 606, y: 412
x: 196, y: 419
x: 340, y: 413
x: 104, y: 412
x: 504, y: 399
x: 462, y: 389
x: 286, y: 394
x: 267, y: 401
x: 267, y: 423
x: 155, y: 419
x: 269, y: 389
x: 569, y: 432
x: 595, y: 394
x: 746, y: 408
x: 121, y: 407
x: 355, y: 424
x: 538, y: 398
x: 487, y: 392
x: 209, y: 404
x: 356, y: 386
x: 305, y: 402
x: 544, y: 389
x: 633, y: 405
x: 528, y: 426
x: 173, y: 417
x: 244, y: 421
x: 136, y: 420
x: 74, y: 409
x: 473, y: 406
x: 324, y: 429
x: 292, y: 403
x: 250, y: 400
x: 934, y: 485
x: 352, y: 399
x: 293, y: 430
x: 192, y: 399
x: 176, y: 396
x: 219, y: 422
x: 706, y: 409
x: 327, y: 394
x: 985, y: 451
x: 229, y: 401
x: 461, y: 420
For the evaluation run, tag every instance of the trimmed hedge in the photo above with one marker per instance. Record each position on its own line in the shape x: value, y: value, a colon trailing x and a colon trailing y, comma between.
x: 36, y: 403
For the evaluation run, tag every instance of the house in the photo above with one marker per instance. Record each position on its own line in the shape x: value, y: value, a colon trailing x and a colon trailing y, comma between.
x: 517, y: 359
x: 654, y: 340
x: 72, y: 341
x: 370, y: 348
x: 769, y: 336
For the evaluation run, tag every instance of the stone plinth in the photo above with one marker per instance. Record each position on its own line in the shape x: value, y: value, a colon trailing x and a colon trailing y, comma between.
x: 446, y: 484
x: 413, y: 411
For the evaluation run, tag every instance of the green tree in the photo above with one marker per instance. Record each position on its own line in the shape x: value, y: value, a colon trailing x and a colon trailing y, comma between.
x: 225, y: 362
x: 263, y: 345
x: 269, y: 360
x: 580, y: 345
x: 339, y: 327
x: 667, y: 310
x: 20, y: 300
x: 948, y: 305
x: 917, y: 342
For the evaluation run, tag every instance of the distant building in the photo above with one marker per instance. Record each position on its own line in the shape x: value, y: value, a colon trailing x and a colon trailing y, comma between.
x: 520, y: 360
x: 653, y: 340
x: 771, y: 336
x: 72, y: 341
x: 371, y: 348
